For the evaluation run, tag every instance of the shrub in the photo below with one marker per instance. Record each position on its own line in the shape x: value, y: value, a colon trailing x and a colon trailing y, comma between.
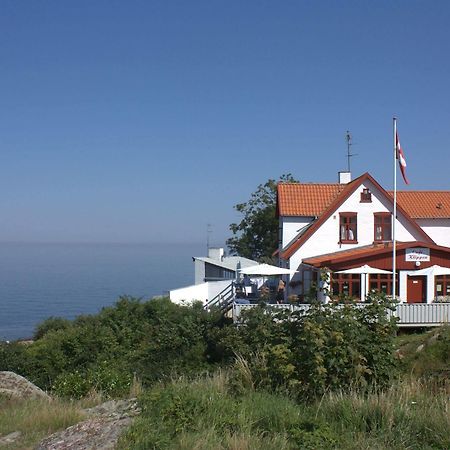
x: 104, y: 379
x: 328, y: 347
x: 51, y: 324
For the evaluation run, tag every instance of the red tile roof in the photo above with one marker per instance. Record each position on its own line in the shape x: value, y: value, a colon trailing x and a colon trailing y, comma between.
x: 340, y: 196
x: 312, y: 199
x: 299, y: 199
x: 425, y: 204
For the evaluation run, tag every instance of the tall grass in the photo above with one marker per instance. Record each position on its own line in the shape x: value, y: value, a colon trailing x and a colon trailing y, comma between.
x: 410, y: 414
x: 209, y: 414
x: 35, y: 419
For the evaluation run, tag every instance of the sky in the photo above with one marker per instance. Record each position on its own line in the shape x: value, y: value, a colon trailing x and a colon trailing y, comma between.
x: 144, y: 121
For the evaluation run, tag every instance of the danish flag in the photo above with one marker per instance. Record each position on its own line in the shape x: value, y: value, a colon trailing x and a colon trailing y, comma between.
x: 401, y: 158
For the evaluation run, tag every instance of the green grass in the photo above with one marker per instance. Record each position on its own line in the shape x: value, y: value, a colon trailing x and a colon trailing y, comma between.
x: 205, y: 414
x: 35, y: 419
x: 426, y: 355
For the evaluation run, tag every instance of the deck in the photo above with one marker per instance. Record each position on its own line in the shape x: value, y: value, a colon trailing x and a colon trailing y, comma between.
x: 409, y: 315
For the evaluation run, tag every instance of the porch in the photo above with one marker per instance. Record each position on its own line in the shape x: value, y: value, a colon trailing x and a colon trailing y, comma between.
x: 409, y: 315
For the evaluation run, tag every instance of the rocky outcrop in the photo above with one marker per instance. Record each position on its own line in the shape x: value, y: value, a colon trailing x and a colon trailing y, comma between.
x: 101, y: 431
x: 10, y: 438
x: 14, y: 385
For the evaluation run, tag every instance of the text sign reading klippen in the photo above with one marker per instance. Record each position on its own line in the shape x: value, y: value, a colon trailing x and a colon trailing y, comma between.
x: 417, y: 254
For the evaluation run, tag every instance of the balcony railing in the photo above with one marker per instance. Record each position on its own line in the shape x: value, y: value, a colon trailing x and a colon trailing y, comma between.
x: 409, y: 314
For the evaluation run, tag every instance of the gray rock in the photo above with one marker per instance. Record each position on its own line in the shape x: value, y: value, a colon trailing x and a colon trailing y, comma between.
x: 10, y: 438
x: 97, y: 433
x: 115, y: 409
x: 420, y: 348
x: 14, y: 385
x: 100, y: 432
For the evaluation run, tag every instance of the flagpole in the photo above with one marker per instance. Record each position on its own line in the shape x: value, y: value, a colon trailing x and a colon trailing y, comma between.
x: 394, y: 218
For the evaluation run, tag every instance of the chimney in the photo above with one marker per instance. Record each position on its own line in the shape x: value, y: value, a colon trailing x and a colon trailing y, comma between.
x: 215, y: 253
x: 344, y: 177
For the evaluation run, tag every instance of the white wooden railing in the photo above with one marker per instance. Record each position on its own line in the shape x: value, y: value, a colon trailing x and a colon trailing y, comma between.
x: 409, y: 314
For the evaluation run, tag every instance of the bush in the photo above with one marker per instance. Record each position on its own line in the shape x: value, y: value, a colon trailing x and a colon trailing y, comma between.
x: 330, y: 347
x: 51, y: 324
x: 106, y: 380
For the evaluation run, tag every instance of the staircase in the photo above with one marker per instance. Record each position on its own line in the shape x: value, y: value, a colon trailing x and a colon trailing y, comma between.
x: 223, y: 300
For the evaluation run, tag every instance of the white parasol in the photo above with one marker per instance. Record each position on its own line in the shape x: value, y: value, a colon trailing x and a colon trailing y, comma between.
x: 265, y: 270
x: 364, y: 270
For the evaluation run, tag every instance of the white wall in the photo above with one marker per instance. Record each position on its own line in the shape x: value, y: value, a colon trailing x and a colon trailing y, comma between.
x: 291, y: 226
x: 429, y: 295
x: 201, y: 292
x: 437, y: 229
x: 199, y: 268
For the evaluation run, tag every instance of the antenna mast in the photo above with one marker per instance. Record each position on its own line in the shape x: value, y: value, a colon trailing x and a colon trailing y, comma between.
x: 349, y: 139
x: 208, y: 233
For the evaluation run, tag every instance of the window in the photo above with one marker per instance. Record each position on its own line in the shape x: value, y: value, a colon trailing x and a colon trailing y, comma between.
x: 442, y: 285
x: 348, y: 285
x: 347, y: 228
x: 366, y: 196
x: 383, y: 283
x: 382, y: 226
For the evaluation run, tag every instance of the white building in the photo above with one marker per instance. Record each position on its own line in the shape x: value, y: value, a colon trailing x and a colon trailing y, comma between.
x: 213, y: 274
x: 339, y: 226
x: 216, y: 266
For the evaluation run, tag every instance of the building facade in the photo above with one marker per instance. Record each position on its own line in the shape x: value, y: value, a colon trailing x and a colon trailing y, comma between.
x: 338, y: 228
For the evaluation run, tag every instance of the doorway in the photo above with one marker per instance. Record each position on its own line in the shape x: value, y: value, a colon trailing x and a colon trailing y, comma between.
x: 416, y: 289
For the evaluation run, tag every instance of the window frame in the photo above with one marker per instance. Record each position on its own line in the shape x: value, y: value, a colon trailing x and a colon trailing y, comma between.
x: 345, y: 220
x: 384, y: 226
x: 366, y: 196
x: 346, y: 284
x: 445, y: 281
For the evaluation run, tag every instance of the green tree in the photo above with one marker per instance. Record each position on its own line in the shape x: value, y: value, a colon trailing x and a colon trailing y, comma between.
x: 256, y: 235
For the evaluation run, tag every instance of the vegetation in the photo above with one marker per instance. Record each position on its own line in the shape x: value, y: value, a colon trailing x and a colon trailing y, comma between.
x: 334, y: 377
x: 256, y: 235
x: 151, y: 340
x: 35, y: 419
x: 207, y: 414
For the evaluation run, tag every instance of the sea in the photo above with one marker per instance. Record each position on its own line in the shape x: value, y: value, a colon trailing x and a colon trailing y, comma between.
x: 66, y: 280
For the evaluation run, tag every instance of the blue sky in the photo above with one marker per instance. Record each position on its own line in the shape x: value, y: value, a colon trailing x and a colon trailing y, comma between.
x: 142, y: 121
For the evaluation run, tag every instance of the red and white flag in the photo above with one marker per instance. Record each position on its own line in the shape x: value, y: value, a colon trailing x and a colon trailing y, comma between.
x: 401, y: 158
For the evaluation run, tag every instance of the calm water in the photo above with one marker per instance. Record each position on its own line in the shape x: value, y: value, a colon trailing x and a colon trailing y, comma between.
x: 42, y: 280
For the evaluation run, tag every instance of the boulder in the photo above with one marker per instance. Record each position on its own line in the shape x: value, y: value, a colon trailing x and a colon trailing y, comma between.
x: 14, y: 385
x: 101, y: 431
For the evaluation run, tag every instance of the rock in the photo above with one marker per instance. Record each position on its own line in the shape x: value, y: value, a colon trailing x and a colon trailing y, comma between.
x: 115, y: 409
x: 15, y: 385
x: 101, y: 431
x: 420, y: 348
x: 10, y: 438
x: 97, y: 433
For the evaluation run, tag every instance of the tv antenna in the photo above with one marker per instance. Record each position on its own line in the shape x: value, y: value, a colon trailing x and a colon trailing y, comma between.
x: 208, y: 234
x: 349, y: 139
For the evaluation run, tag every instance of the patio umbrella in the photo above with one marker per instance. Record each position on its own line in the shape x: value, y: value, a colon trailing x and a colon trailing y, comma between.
x: 266, y: 270
x: 433, y: 271
x: 363, y: 270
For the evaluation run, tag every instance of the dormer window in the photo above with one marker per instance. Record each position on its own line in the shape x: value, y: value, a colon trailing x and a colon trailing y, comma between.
x: 366, y: 196
x: 348, y: 228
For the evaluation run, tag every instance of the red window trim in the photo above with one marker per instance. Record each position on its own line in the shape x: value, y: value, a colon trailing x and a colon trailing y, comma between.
x: 366, y: 196
x: 355, y: 232
x: 381, y: 214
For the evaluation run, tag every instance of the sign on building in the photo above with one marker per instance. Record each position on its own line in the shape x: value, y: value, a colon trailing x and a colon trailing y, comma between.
x: 417, y: 254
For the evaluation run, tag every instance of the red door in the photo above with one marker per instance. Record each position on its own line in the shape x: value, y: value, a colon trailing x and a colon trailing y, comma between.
x: 416, y: 289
